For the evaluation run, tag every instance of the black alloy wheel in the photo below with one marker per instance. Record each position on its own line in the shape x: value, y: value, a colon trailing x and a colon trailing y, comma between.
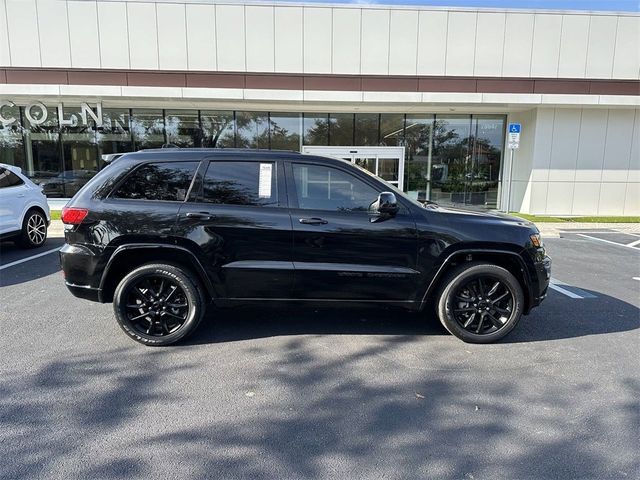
x: 159, y: 304
x: 156, y: 306
x: 483, y: 305
x: 480, y: 302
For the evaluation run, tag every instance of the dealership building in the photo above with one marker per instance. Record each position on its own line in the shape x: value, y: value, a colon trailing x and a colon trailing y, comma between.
x: 420, y: 96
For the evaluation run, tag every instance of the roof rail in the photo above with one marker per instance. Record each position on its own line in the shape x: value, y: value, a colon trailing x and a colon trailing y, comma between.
x: 111, y: 157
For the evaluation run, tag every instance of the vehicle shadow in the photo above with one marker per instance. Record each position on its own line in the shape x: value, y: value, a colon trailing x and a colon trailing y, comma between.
x: 31, y: 270
x: 557, y: 318
x: 363, y: 412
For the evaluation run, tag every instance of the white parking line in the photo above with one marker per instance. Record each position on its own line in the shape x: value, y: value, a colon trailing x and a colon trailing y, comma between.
x: 633, y: 244
x: 559, y: 287
x: 561, y: 290
x: 18, y: 262
x: 636, y: 278
x: 608, y: 241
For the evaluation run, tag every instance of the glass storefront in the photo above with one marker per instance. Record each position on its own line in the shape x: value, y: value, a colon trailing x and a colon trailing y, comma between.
x: 450, y: 159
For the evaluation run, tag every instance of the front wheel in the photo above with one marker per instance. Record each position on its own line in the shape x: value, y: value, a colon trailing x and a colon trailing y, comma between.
x: 158, y: 304
x: 480, y: 302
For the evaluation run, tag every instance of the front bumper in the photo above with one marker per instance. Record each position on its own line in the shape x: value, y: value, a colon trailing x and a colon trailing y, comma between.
x: 543, y: 274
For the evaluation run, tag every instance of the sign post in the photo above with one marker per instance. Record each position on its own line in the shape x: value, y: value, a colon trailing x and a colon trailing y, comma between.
x: 513, y: 142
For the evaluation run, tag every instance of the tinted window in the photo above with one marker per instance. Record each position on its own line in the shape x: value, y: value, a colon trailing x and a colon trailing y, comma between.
x: 240, y: 183
x: 158, y: 181
x: 9, y: 179
x: 325, y: 188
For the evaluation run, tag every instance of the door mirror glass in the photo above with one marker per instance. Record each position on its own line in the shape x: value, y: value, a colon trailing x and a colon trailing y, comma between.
x: 386, y: 205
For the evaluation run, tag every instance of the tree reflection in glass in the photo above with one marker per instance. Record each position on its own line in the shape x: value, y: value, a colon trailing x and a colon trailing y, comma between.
x: 217, y: 129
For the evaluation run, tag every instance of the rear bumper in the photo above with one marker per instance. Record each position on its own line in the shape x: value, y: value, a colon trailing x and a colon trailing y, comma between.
x: 81, y: 268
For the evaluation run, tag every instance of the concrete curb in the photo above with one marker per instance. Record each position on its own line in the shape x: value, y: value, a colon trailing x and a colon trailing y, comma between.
x: 551, y: 230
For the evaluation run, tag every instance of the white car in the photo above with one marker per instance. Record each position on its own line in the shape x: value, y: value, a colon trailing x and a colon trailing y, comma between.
x: 24, y: 212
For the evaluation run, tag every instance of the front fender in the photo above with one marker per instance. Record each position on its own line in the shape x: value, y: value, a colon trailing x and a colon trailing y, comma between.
x: 469, y: 253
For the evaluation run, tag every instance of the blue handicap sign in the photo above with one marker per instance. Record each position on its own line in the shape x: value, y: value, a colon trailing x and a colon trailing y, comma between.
x: 514, y: 128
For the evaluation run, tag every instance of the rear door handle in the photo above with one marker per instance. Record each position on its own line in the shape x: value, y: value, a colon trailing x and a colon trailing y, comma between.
x: 313, y: 221
x: 199, y: 216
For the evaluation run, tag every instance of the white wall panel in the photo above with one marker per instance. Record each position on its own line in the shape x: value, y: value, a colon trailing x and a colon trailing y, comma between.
x: 260, y: 38
x: 559, y: 198
x: 201, y: 37
x: 346, y: 40
x: 573, y: 46
x: 626, y: 59
x: 403, y: 38
x: 632, y: 199
x: 317, y: 40
x: 432, y: 43
x: 83, y: 34
x: 538, y: 198
x: 5, y: 57
x: 542, y: 145
x: 517, y: 45
x: 564, y: 146
x: 230, y: 37
x: 586, y: 197
x: 143, y: 35
x: 489, y: 44
x: 172, y: 36
x: 617, y: 150
x: 461, y: 40
x: 288, y: 41
x: 375, y: 41
x: 634, y: 167
x: 612, y: 199
x: 23, y: 33
x: 600, y: 49
x: 54, y: 33
x: 546, y: 45
x: 591, y: 148
x: 113, y: 34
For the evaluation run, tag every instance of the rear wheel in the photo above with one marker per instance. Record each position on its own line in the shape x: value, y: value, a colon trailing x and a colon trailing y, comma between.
x: 480, y: 303
x: 34, y: 229
x: 158, y: 304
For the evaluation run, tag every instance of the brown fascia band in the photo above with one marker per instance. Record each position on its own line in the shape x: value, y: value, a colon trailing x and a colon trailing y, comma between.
x: 280, y: 81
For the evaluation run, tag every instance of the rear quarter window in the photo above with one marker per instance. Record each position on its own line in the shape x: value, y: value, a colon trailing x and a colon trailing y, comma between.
x: 162, y: 181
x: 9, y: 179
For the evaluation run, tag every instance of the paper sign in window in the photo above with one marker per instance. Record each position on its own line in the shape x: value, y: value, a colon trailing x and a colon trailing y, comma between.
x: 264, y: 185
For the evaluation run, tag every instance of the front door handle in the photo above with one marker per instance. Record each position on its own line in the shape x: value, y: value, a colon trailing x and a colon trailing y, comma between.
x: 199, y: 216
x: 313, y: 221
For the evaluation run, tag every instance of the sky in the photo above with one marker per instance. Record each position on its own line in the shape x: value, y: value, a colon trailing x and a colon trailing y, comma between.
x: 594, y: 5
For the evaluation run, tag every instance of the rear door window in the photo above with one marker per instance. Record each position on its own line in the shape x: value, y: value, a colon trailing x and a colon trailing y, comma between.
x: 241, y: 183
x: 165, y: 181
x: 9, y: 179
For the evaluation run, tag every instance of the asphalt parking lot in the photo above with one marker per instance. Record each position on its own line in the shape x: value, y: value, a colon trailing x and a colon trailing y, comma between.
x: 303, y: 393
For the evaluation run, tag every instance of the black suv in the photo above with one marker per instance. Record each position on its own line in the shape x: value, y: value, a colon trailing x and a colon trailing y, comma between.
x: 163, y: 233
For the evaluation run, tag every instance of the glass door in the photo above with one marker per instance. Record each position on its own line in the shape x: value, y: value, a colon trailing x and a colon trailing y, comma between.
x: 385, y: 162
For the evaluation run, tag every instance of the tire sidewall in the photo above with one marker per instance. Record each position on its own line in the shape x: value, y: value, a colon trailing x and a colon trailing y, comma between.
x: 194, y: 298
x: 458, y: 278
x: 25, y: 241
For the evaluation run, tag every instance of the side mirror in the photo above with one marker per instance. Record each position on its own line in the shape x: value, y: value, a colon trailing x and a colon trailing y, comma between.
x: 385, y: 206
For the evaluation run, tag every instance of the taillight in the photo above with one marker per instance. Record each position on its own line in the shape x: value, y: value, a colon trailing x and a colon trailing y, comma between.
x: 73, y: 216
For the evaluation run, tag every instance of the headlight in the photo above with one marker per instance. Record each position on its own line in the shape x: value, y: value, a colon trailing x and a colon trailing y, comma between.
x: 536, y: 240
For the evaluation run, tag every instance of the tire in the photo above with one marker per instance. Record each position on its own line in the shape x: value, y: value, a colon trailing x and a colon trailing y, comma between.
x: 470, y: 291
x: 34, y: 229
x: 154, y: 320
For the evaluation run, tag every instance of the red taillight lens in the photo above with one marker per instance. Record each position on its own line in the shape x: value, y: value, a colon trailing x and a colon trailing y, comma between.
x: 73, y: 216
